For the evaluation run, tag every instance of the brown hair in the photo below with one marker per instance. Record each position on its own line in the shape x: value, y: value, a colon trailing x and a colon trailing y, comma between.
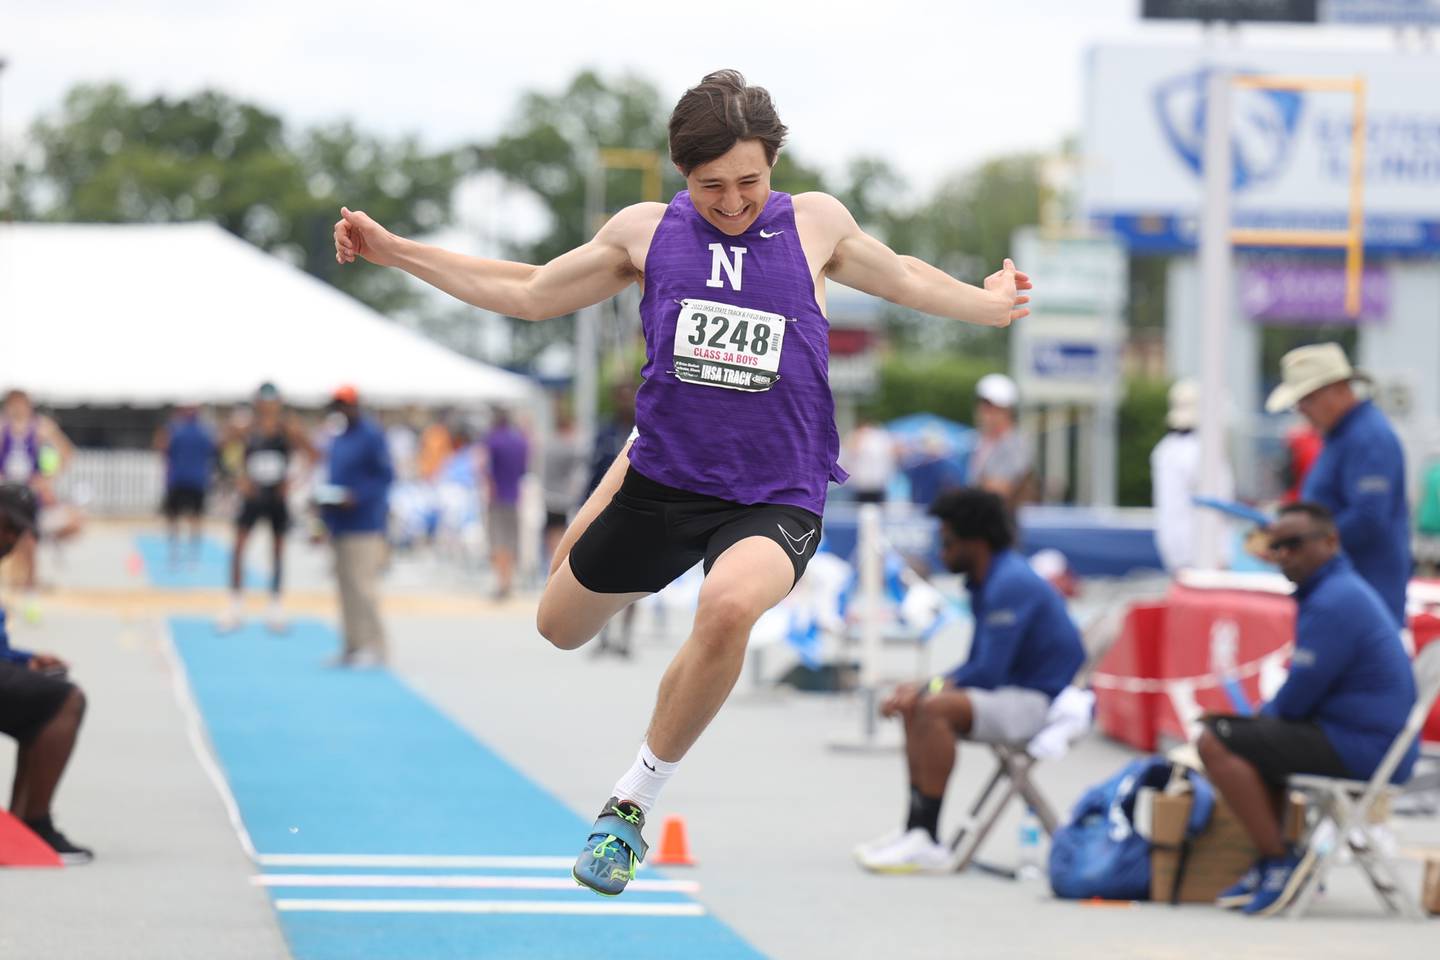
x: 716, y: 114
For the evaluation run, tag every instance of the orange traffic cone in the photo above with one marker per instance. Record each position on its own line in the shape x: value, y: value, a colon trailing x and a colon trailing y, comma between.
x: 674, y: 847
x: 19, y: 847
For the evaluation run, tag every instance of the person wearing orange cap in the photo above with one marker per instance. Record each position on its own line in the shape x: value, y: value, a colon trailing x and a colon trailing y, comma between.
x: 355, y: 505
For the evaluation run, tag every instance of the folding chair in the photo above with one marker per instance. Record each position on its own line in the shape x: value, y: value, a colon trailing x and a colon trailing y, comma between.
x: 1012, y: 768
x: 1346, y: 805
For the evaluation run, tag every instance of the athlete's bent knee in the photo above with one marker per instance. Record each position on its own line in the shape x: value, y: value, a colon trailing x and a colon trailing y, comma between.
x: 553, y: 627
x: 725, y: 619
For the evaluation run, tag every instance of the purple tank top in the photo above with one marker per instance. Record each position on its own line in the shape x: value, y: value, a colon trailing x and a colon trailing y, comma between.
x: 19, y: 453
x: 736, y: 397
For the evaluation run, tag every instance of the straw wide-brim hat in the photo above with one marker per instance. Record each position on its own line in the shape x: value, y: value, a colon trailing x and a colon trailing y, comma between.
x: 1305, y: 370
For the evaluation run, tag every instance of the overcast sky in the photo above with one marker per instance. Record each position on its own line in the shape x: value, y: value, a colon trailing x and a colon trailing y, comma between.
x: 931, y: 86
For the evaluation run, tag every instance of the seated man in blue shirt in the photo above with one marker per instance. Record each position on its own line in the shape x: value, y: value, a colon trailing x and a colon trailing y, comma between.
x: 1024, y: 651
x: 1349, y: 693
x: 39, y: 708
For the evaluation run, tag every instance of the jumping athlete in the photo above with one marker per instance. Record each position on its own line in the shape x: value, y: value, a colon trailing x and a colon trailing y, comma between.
x: 736, y: 429
x: 264, y: 484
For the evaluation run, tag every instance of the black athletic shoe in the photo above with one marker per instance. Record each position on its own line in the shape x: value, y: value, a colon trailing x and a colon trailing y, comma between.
x: 70, y: 854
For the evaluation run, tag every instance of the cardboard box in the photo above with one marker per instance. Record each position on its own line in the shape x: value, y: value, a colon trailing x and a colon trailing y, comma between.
x: 1218, y: 857
x: 1430, y: 899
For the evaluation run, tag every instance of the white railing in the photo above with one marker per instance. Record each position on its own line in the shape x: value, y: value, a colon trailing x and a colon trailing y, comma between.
x: 114, y: 482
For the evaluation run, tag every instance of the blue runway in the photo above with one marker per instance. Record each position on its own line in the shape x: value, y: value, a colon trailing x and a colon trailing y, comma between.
x: 208, y: 569
x: 437, y: 848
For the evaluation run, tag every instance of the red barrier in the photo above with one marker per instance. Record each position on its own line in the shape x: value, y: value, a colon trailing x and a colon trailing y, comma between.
x: 1425, y: 627
x: 1129, y: 715
x: 1201, y: 651
x: 1215, y: 644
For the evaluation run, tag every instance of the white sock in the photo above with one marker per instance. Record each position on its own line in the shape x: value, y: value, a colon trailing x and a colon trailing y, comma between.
x: 642, y: 782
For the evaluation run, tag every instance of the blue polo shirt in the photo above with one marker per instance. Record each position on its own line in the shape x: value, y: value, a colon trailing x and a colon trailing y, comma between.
x: 360, y: 462
x: 1349, y: 672
x: 1024, y: 636
x: 189, y: 454
x: 1360, y: 477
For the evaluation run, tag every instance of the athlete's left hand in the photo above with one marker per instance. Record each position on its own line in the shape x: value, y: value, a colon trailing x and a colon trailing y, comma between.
x: 1008, y: 283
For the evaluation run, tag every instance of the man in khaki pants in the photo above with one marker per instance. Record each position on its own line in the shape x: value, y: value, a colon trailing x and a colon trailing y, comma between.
x: 355, y: 507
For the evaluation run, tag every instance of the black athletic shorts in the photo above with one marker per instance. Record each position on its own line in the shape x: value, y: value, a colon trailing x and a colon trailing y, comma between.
x: 28, y: 700
x: 1277, y: 748
x: 270, y: 507
x: 556, y: 519
x: 650, y: 534
x: 184, y: 501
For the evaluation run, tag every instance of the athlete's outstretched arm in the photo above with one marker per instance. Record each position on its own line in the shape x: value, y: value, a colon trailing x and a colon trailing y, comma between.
x: 862, y: 262
x: 586, y: 275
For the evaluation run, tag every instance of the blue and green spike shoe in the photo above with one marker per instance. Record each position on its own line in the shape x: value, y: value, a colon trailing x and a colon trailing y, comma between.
x: 614, y: 849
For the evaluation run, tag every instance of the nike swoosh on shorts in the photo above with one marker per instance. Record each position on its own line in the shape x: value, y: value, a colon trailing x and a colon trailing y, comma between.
x: 793, y: 541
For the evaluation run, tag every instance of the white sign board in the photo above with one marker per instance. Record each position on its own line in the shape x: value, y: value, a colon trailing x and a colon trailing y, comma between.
x: 1068, y: 349
x: 1145, y: 130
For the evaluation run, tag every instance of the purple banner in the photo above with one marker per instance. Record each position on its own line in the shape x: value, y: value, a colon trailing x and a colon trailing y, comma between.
x: 1310, y: 294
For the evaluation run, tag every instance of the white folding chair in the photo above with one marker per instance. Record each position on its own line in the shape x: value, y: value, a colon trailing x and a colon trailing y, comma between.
x: 1346, y: 806
x: 1012, y: 770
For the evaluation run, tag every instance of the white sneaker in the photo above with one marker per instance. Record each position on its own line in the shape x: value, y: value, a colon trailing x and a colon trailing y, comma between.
x: 275, y: 620
x: 879, y: 843
x: 913, y: 852
x: 230, y: 620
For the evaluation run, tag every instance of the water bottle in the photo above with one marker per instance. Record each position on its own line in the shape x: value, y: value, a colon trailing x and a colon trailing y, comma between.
x: 1030, y: 868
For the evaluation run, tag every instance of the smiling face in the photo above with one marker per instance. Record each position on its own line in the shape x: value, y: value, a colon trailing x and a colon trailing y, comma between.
x: 731, y: 190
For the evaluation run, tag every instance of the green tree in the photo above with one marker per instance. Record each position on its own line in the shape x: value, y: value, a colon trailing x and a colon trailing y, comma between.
x: 106, y: 157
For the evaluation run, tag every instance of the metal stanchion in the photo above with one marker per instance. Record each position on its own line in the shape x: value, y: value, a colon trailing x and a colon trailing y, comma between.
x: 870, y: 559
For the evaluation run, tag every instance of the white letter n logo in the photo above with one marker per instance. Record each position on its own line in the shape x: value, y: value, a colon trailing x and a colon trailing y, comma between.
x: 732, y: 270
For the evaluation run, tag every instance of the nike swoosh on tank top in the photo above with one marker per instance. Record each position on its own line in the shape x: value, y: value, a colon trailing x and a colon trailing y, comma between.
x: 736, y: 398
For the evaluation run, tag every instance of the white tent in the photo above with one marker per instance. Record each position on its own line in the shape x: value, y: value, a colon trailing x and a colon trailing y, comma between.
x: 157, y: 313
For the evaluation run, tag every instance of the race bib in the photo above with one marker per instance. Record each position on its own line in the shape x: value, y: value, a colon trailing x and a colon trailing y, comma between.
x: 717, y: 345
x: 266, y: 467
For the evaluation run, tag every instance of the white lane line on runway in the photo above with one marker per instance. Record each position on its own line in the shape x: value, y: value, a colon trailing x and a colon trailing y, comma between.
x: 422, y: 861
x: 454, y: 882
x: 491, y: 906
x: 200, y: 740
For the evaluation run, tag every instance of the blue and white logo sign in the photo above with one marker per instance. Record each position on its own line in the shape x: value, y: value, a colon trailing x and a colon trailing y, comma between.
x: 1262, y: 128
x: 1145, y: 122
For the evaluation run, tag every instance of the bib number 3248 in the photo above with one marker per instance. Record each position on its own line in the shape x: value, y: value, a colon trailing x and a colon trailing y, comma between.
x: 718, y: 345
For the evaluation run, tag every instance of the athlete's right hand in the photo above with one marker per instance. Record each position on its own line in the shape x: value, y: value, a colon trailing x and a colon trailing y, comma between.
x: 356, y: 234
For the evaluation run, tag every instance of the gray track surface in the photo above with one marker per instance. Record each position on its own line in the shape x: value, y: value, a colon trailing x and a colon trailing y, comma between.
x: 772, y: 811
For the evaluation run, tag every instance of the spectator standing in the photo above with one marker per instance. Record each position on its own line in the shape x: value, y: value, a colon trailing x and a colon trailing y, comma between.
x: 565, y: 469
x: 1348, y: 695
x: 1025, y: 650
x: 869, y: 457
x: 274, y: 437
x: 1302, y: 446
x: 189, y: 448
x: 1001, y: 462
x: 1175, y: 479
x: 33, y: 452
x: 507, y: 460
x: 355, y: 507
x: 1360, y: 473
x: 39, y: 707
x: 436, y: 445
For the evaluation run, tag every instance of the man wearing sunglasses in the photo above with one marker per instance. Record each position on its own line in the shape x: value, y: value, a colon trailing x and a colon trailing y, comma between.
x: 1349, y: 692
